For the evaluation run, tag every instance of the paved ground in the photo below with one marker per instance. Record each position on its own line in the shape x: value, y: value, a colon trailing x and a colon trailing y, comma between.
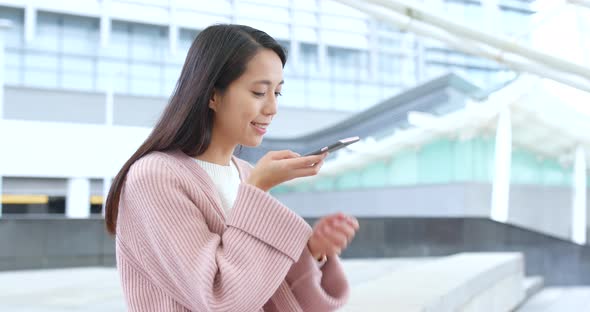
x: 98, y: 289
x: 559, y: 299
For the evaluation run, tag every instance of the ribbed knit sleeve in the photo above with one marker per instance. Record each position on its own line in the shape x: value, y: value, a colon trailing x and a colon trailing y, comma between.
x: 316, y: 289
x: 237, y: 271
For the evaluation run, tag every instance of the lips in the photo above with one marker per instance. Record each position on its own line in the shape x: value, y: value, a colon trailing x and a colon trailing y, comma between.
x: 259, y: 127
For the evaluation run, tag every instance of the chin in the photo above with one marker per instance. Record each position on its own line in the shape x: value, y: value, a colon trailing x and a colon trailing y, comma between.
x: 252, y: 142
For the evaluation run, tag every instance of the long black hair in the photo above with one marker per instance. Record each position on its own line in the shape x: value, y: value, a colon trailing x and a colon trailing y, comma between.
x: 217, y: 57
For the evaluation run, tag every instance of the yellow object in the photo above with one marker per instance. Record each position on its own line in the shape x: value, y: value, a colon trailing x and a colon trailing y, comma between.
x: 96, y: 200
x: 37, y: 199
x: 24, y: 199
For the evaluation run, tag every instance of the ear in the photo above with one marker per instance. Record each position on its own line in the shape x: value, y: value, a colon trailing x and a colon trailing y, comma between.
x: 215, y: 100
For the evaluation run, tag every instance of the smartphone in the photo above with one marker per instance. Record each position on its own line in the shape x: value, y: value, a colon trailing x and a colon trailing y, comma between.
x: 334, y: 147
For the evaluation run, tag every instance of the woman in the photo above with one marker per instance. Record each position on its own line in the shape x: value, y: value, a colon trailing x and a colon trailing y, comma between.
x: 196, y: 229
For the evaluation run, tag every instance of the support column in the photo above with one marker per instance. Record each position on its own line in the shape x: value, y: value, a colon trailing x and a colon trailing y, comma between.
x: 172, y: 29
x: 30, y: 22
x: 322, y: 49
x: 78, y: 198
x: 579, y: 198
x: 109, y: 103
x: 1, y: 195
x: 106, y: 186
x: 373, y: 50
x: 105, y: 24
x: 293, y: 43
x: 502, y: 163
x: 105, y: 31
x: 3, y: 26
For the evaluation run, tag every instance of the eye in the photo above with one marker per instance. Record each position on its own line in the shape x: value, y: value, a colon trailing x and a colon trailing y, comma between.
x: 258, y: 94
x: 278, y: 94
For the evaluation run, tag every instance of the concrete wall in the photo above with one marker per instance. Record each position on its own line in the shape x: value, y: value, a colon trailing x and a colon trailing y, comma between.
x: 54, y: 243
x: 542, y: 208
x: 46, y: 243
x: 53, y: 105
x: 449, y: 200
x: 34, y: 186
x: 539, y: 208
x: 37, y: 104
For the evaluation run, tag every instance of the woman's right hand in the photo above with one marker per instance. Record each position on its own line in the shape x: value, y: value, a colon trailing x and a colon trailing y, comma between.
x: 277, y: 167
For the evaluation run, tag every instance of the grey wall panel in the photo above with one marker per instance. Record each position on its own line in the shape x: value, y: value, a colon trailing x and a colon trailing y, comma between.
x: 51, y: 243
x: 41, y: 186
x: 560, y: 262
x: 137, y: 111
x: 450, y: 200
x: 54, y: 105
x: 542, y: 208
x: 539, y: 208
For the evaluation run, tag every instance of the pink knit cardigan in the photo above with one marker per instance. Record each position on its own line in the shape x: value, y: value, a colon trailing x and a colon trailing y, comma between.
x: 177, y: 251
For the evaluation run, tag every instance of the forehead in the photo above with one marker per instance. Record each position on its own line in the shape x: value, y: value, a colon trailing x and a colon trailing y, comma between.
x: 265, y: 65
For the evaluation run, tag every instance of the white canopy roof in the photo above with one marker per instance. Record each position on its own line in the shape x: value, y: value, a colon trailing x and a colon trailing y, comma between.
x: 548, y: 118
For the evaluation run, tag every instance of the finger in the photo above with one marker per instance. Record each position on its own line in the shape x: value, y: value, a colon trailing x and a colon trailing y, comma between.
x: 355, y: 223
x: 324, y: 245
x: 309, y: 171
x: 336, y: 238
x: 328, y: 247
x: 346, y: 218
x: 284, y: 154
x: 352, y: 221
x: 304, y: 162
x: 345, y: 228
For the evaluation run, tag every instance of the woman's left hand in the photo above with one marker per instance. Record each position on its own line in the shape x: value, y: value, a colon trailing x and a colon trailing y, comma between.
x: 332, y: 234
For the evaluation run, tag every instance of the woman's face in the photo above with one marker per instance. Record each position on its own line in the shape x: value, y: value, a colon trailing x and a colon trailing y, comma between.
x: 246, y: 108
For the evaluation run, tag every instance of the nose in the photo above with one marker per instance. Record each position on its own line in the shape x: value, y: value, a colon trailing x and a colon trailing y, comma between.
x: 270, y: 108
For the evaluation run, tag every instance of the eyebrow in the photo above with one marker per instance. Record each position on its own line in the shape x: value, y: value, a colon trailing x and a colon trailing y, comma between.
x: 268, y: 82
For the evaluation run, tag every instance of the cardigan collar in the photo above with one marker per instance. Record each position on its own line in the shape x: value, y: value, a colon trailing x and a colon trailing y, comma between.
x: 205, y: 180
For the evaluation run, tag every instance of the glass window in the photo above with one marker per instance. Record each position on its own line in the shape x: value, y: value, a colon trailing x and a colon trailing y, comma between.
x: 344, y: 63
x: 115, y: 72
x: 145, y: 71
x: 345, y: 96
x: 12, y: 59
x: 80, y: 35
x: 77, y: 81
x: 14, y: 35
x: 48, y: 34
x: 145, y: 87
x: 148, y: 42
x: 118, y: 42
x: 171, y: 75
x: 40, y: 78
x: 294, y: 93
x: 389, y: 68
x: 39, y: 60
x: 186, y: 38
x: 320, y: 94
x: 308, y: 59
x: 78, y: 64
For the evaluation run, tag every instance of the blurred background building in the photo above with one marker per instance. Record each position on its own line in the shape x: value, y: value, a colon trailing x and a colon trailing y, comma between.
x: 73, y: 69
x: 470, y: 143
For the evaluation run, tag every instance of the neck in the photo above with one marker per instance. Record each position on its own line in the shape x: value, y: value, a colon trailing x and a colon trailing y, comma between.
x: 218, y: 152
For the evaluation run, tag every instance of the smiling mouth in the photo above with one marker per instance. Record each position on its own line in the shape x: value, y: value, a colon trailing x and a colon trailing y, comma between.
x: 262, y: 126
